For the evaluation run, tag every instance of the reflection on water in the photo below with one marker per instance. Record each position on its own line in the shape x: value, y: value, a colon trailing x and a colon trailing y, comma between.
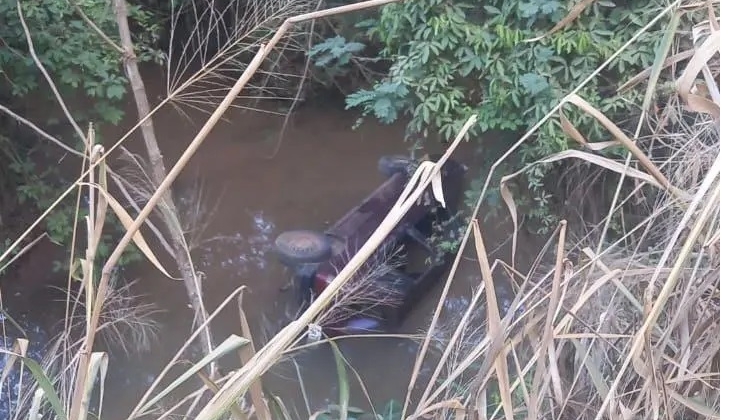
x: 239, y: 253
x: 13, y: 386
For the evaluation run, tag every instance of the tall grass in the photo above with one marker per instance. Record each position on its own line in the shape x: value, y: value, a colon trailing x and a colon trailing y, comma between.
x: 603, y: 326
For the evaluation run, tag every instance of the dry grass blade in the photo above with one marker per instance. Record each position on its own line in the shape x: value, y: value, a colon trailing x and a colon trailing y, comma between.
x: 670, y: 61
x: 98, y: 365
x: 687, y: 80
x: 127, y: 222
x: 455, y: 405
x: 495, y: 328
x: 245, y: 354
x: 625, y: 141
x: 546, y: 352
x: 573, y: 132
x: 231, y: 344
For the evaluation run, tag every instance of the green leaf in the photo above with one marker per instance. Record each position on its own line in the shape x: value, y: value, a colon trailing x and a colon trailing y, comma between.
x: 45, y: 383
x: 343, y: 383
x: 534, y: 83
x: 115, y: 91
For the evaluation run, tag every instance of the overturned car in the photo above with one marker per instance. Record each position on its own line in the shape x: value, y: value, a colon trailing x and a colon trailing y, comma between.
x: 405, y: 266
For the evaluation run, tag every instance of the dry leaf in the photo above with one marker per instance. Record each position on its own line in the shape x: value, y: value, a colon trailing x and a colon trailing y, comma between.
x: 698, y: 103
x: 460, y: 411
x: 127, y: 221
x: 703, y: 54
x: 570, y: 129
x: 625, y: 141
x: 494, y: 325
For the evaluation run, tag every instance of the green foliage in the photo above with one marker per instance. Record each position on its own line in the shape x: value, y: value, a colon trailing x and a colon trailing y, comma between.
x: 88, y: 74
x: 384, y: 101
x: 334, y: 52
x: 72, y: 52
x: 37, y: 187
x: 452, y: 59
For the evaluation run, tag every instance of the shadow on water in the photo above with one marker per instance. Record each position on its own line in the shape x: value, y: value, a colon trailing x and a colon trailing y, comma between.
x: 320, y: 171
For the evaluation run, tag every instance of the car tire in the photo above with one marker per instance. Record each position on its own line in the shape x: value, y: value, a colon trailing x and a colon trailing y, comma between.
x: 297, y: 247
x: 392, y: 164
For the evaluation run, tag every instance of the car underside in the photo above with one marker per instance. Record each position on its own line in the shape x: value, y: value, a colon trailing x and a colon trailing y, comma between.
x: 399, y: 273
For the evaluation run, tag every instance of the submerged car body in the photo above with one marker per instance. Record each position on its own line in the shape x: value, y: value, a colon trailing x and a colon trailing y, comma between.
x: 405, y: 266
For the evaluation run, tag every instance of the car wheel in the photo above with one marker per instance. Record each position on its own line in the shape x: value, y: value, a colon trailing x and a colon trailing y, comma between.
x: 302, y: 247
x: 393, y: 164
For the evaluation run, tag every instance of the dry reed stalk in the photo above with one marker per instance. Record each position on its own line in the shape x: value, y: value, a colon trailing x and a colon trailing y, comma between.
x: 495, y: 330
x: 159, y: 193
x: 144, y: 404
x: 547, y: 350
x: 245, y: 354
x: 156, y: 168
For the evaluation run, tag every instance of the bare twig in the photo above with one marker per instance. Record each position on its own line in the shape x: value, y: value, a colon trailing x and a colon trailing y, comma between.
x: 95, y: 28
x: 285, y: 124
x: 52, y: 85
x: 40, y: 131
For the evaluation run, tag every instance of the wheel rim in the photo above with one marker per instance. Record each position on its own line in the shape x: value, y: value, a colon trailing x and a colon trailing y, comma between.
x: 301, y: 241
x: 302, y: 246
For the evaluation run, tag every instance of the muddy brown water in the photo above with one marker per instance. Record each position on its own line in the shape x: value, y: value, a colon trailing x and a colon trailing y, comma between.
x: 321, y: 169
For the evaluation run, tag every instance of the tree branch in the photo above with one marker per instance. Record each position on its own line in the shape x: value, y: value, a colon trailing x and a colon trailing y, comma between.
x: 40, y: 131
x: 95, y: 28
x: 48, y: 77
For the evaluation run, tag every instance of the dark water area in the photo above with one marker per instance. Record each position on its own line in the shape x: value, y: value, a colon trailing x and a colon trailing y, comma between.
x: 253, y: 189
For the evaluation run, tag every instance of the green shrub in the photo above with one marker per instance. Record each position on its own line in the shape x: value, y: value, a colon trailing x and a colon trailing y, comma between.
x: 451, y: 59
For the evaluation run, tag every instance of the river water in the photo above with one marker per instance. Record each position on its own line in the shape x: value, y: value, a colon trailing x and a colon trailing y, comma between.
x: 254, y: 188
